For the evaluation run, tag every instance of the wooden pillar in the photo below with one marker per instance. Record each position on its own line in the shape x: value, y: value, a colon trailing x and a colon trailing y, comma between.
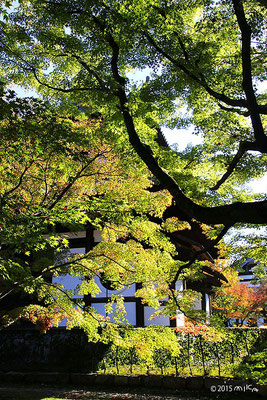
x: 89, y: 245
x: 139, y: 309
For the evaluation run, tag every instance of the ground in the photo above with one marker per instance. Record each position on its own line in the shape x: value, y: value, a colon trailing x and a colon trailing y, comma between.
x: 42, y: 392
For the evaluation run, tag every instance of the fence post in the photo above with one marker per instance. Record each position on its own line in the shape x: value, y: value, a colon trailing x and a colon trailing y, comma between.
x: 246, y: 342
x: 116, y: 359
x: 202, y: 355
x: 176, y: 366
x: 131, y: 360
x: 232, y: 353
x: 218, y: 359
x: 188, y: 352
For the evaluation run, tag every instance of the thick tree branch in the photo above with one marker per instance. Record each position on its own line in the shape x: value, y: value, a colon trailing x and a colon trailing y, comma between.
x: 260, y: 143
x: 254, y: 212
x: 236, y: 110
x: 252, y: 104
x: 262, y: 108
x: 200, y: 80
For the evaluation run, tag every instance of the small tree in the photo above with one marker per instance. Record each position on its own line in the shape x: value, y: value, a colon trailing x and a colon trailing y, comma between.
x: 237, y: 303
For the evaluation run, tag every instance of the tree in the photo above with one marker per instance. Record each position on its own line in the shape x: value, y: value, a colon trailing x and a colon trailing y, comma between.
x: 91, y: 48
x: 58, y: 172
x: 202, y: 55
x: 237, y: 303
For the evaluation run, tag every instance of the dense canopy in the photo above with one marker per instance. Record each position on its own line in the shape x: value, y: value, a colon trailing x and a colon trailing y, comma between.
x: 204, y: 65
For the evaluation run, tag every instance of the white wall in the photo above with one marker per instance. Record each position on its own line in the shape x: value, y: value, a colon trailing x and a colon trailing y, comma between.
x: 71, y: 282
x: 179, y: 285
x: 207, y: 299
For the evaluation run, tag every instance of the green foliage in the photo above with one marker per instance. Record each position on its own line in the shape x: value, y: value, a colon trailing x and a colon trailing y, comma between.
x: 86, y: 152
x: 58, y: 171
x: 254, y: 366
x: 73, y: 55
x: 228, y: 357
x: 149, y: 346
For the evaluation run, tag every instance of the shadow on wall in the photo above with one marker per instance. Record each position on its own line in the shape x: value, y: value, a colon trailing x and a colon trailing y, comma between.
x: 58, y: 350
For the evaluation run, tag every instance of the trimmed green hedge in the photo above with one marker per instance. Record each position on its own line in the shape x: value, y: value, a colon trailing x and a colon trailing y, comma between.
x: 242, y: 353
x: 254, y: 366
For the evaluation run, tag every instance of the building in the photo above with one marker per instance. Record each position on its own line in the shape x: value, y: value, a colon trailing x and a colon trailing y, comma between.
x: 138, y: 314
x: 246, y: 272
